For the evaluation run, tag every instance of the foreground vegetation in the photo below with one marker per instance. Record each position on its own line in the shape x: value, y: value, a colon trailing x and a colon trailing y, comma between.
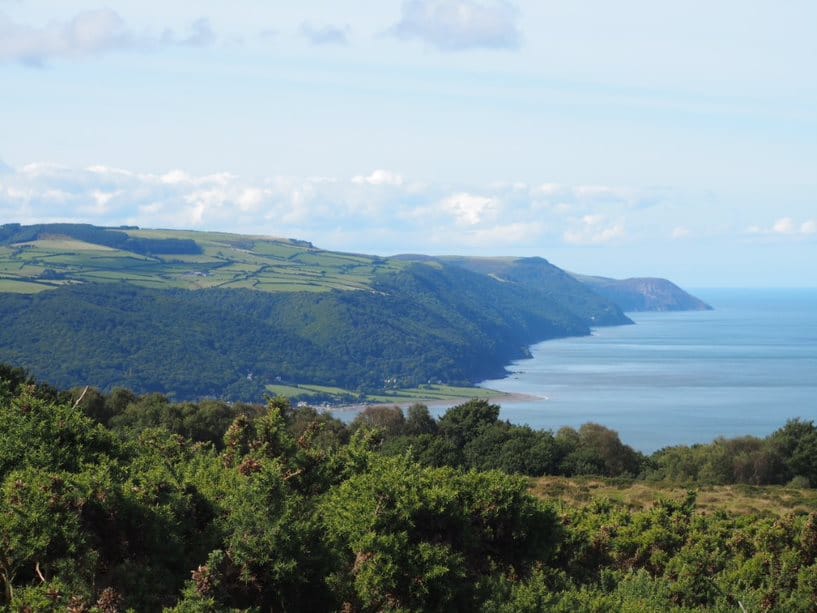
x: 111, y: 502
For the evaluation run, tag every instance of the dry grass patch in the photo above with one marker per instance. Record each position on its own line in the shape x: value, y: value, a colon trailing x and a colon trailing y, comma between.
x: 637, y: 495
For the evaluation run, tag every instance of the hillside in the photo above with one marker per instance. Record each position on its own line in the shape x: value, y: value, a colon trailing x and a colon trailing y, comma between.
x: 644, y: 294
x: 551, y: 282
x: 47, y: 256
x: 212, y: 314
x: 83, y: 304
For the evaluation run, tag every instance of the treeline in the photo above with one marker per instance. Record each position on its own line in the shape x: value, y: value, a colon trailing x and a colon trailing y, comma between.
x: 116, y: 502
x: 469, y: 436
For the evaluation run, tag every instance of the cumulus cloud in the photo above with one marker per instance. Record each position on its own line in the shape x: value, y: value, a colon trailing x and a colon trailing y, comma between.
x: 457, y: 25
x: 379, y: 177
x: 503, y: 235
x: 787, y: 227
x: 89, y: 33
x: 593, y: 230
x: 379, y: 211
x: 471, y: 210
x: 325, y: 35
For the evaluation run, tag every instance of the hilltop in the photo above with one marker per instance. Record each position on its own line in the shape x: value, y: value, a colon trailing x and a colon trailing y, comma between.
x: 644, y: 294
x: 214, y: 314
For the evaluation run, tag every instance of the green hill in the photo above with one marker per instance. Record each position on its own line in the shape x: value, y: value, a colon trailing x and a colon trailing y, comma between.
x: 214, y: 314
x: 552, y: 283
x: 46, y: 256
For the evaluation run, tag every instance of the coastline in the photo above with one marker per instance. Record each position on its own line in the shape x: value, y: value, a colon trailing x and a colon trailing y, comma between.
x: 499, y: 398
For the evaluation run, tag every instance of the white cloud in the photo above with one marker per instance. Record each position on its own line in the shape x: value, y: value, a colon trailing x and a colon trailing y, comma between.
x: 381, y: 206
x: 593, y: 230
x: 507, y: 234
x: 325, y: 35
x: 456, y: 25
x: 175, y: 176
x: 89, y: 33
x: 379, y: 177
x: 471, y: 210
x: 786, y: 227
x: 680, y: 232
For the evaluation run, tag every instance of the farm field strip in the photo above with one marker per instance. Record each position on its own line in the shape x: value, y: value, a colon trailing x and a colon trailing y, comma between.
x: 226, y: 261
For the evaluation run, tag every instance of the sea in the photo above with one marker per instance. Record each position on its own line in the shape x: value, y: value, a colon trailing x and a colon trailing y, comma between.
x: 678, y: 378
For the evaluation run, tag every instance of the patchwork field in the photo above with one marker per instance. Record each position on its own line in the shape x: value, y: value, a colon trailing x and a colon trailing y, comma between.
x: 225, y: 261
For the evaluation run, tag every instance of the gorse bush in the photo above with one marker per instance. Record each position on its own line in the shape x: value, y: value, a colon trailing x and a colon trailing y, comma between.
x: 124, y: 502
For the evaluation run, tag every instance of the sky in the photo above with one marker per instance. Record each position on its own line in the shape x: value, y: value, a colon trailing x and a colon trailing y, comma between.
x: 628, y: 138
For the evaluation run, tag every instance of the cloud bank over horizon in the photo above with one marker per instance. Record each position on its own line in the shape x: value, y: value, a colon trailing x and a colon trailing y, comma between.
x: 380, y: 203
x: 381, y: 211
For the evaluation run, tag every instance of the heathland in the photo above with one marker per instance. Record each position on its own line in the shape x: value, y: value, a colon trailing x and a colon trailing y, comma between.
x: 126, y: 502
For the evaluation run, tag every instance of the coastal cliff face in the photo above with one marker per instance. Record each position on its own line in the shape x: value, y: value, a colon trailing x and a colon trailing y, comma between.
x: 644, y: 294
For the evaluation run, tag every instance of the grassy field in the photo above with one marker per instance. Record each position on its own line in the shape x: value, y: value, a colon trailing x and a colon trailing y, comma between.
x: 18, y: 286
x: 423, y: 393
x: 741, y: 499
x: 303, y: 390
x: 434, y: 392
x: 227, y: 261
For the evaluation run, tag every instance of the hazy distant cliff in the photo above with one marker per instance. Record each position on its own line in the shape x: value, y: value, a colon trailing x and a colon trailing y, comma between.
x: 644, y: 294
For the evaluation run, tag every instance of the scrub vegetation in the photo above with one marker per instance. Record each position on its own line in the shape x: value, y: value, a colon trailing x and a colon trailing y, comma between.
x: 118, y: 501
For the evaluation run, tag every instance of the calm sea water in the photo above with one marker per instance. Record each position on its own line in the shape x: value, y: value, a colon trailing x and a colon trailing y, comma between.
x: 679, y: 378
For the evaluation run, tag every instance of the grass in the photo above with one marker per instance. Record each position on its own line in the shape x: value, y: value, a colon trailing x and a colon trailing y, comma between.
x: 737, y: 499
x: 434, y: 392
x: 15, y: 286
x: 423, y: 393
x: 304, y: 390
x: 65, y: 244
x: 227, y: 260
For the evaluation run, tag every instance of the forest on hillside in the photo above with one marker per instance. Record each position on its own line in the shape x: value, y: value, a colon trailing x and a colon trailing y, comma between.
x: 209, y: 314
x: 417, y: 325
x: 118, y: 501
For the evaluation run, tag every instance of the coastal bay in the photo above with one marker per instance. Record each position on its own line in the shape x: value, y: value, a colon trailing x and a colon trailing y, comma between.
x: 679, y: 378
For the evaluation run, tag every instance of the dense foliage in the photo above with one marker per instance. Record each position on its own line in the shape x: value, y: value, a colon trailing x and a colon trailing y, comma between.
x: 114, y: 502
x: 424, y: 323
x: 535, y: 272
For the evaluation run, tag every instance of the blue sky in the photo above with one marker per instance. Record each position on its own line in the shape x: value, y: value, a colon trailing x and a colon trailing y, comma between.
x: 623, y: 139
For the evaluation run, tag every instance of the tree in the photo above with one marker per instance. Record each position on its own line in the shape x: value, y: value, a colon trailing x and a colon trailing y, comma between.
x: 419, y: 421
x: 465, y: 422
x: 796, y: 442
x: 389, y: 420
